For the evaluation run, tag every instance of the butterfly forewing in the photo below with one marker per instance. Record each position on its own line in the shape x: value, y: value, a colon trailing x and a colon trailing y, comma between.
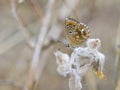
x: 76, y: 33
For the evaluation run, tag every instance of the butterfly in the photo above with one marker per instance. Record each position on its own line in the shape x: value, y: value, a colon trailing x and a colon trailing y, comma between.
x: 76, y: 32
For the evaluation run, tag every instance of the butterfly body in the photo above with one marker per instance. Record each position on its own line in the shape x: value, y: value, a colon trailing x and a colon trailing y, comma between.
x: 76, y: 33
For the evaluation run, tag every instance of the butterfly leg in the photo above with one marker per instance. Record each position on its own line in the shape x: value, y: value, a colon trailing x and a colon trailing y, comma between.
x: 67, y: 45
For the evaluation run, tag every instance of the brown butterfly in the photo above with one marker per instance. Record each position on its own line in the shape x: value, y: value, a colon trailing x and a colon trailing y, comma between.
x: 76, y: 33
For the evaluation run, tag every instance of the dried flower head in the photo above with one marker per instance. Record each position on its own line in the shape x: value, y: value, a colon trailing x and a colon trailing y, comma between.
x: 81, y: 59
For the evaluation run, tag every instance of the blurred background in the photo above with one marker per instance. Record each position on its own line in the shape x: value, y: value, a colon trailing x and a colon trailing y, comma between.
x: 21, y: 22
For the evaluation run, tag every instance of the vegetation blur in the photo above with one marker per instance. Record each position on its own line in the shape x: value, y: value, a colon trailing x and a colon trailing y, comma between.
x: 32, y: 30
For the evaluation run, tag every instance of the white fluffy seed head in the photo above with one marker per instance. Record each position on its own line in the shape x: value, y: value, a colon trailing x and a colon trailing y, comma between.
x: 61, y: 58
x: 81, y: 59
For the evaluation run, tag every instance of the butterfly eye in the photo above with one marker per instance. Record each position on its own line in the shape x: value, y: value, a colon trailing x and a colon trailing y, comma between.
x: 70, y: 32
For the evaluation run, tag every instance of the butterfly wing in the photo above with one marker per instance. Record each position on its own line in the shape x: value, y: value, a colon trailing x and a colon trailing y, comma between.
x: 70, y: 30
x: 76, y: 33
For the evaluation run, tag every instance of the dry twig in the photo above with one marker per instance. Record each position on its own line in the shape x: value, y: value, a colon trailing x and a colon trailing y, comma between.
x: 61, y: 14
x: 32, y: 79
x: 27, y: 34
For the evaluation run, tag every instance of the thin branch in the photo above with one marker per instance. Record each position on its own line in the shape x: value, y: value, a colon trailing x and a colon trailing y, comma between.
x: 32, y: 78
x: 37, y: 7
x: 60, y: 14
x: 26, y: 33
x: 117, y: 58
